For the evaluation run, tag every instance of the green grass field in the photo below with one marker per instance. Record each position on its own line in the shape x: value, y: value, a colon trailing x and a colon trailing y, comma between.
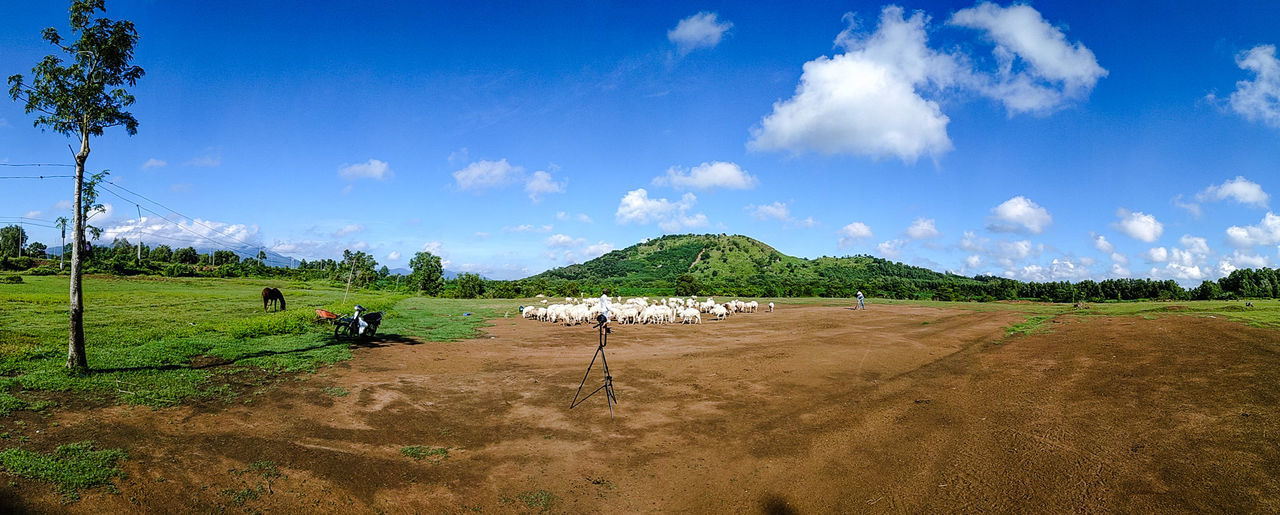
x: 159, y: 341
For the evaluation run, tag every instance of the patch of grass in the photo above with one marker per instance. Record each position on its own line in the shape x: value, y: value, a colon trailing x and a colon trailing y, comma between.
x: 540, y: 499
x: 243, y: 495
x: 336, y: 391
x: 419, y: 452
x: 1031, y: 325
x: 71, y: 468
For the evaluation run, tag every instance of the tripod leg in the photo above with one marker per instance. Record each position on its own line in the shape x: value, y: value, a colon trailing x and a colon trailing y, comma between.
x: 575, y: 402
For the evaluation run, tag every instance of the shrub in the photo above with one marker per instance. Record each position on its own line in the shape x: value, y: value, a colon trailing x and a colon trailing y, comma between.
x: 43, y: 270
x: 11, y: 279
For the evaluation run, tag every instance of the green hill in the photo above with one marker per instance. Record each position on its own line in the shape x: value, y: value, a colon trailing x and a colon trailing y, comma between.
x: 739, y: 265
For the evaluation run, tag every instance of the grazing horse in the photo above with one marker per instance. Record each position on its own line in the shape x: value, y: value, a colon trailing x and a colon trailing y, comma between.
x: 270, y: 296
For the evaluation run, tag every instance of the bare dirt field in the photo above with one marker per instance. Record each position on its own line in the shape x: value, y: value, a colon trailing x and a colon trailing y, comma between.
x: 808, y: 409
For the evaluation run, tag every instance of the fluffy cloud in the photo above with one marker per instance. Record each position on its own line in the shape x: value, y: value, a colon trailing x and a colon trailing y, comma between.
x: 184, y: 233
x: 866, y: 100
x: 1038, y: 69
x: 1019, y: 214
x: 923, y: 228
x: 701, y: 30
x: 153, y: 163
x: 878, y: 98
x: 563, y: 241
x: 777, y: 211
x: 1156, y: 255
x: 705, y: 176
x: 850, y: 234
x: 1258, y: 100
x: 434, y: 247
x: 539, y: 184
x: 1100, y: 242
x: 393, y: 256
x: 1060, y: 269
x: 1267, y: 232
x: 1194, y: 245
x: 637, y: 207
x: 1239, y: 190
x: 973, y: 261
x: 527, y: 228
x: 580, y: 217
x: 374, y: 169
x: 1138, y: 225
x: 349, y: 229
x: 891, y: 249
x: 482, y: 175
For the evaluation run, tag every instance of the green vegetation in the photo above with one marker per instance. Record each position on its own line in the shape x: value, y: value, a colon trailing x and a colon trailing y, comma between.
x: 71, y: 468
x: 1033, y: 324
x: 540, y: 499
x: 419, y: 452
x: 337, y: 391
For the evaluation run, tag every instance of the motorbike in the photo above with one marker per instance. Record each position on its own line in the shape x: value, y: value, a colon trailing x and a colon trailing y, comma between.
x: 357, y: 325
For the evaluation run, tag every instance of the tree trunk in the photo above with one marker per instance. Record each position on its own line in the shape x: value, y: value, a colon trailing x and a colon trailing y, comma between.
x: 76, y: 359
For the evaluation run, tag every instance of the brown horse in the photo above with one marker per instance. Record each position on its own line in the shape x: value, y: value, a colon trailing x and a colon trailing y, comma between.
x: 270, y: 296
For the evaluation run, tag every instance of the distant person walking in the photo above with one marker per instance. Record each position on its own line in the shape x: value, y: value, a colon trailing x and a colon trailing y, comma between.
x: 860, y: 303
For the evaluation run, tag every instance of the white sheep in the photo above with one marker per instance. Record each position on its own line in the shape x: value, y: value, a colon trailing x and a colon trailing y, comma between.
x: 720, y: 312
x: 690, y: 316
x: 771, y: 307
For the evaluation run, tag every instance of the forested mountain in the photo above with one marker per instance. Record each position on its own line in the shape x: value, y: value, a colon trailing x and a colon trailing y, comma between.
x: 739, y: 265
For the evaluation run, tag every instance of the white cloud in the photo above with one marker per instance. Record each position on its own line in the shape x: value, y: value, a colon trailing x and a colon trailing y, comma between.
x: 1259, y: 99
x: 1038, y: 69
x: 701, y: 30
x: 1059, y: 269
x: 1240, y: 260
x: 1194, y: 245
x: 637, y: 207
x: 1019, y: 214
x: 482, y: 175
x: 891, y: 249
x: 1119, y: 270
x: 973, y: 261
x: 563, y: 241
x: 850, y: 234
x: 599, y: 249
x: 923, y: 228
x: 348, y: 229
x: 153, y: 163
x: 482, y: 235
x: 1138, y: 225
x: 1100, y: 242
x: 63, y: 205
x: 1009, y: 251
x: 971, y: 242
x: 1156, y: 255
x: 580, y: 217
x: 527, y: 228
x: 1240, y: 190
x: 193, y: 233
x: 32, y: 214
x: 393, y: 256
x: 809, y: 222
x: 1191, y: 207
x: 717, y: 174
x: 374, y: 169
x: 1267, y: 232
x: 434, y: 247
x: 777, y: 211
x: 866, y: 101
x: 540, y: 183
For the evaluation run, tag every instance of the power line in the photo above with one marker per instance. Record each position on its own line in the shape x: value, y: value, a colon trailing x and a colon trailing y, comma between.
x: 174, y: 211
x: 36, y: 176
x: 36, y: 164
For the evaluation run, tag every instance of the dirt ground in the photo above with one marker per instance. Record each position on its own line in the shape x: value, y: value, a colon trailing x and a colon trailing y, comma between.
x: 808, y: 409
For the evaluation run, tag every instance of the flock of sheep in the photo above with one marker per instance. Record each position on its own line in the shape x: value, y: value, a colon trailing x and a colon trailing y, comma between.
x: 639, y: 310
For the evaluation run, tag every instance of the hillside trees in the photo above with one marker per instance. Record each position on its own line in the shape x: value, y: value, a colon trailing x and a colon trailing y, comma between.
x: 427, y: 274
x: 81, y: 98
x: 470, y: 286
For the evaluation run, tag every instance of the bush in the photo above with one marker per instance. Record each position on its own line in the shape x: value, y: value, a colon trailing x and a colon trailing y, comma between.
x: 43, y: 270
x: 11, y: 279
x: 180, y: 270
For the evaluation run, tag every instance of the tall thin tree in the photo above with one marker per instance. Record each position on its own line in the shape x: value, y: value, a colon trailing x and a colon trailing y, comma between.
x: 80, y: 98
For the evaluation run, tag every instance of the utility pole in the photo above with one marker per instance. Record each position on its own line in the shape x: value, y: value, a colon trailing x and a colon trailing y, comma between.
x: 21, y: 232
x: 62, y: 252
x: 349, y: 274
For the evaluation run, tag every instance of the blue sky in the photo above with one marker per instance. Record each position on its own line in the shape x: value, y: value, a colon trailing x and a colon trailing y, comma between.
x: 1040, y: 141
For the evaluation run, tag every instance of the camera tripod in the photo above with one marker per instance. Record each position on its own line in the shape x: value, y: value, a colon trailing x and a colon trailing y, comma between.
x: 610, y: 397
